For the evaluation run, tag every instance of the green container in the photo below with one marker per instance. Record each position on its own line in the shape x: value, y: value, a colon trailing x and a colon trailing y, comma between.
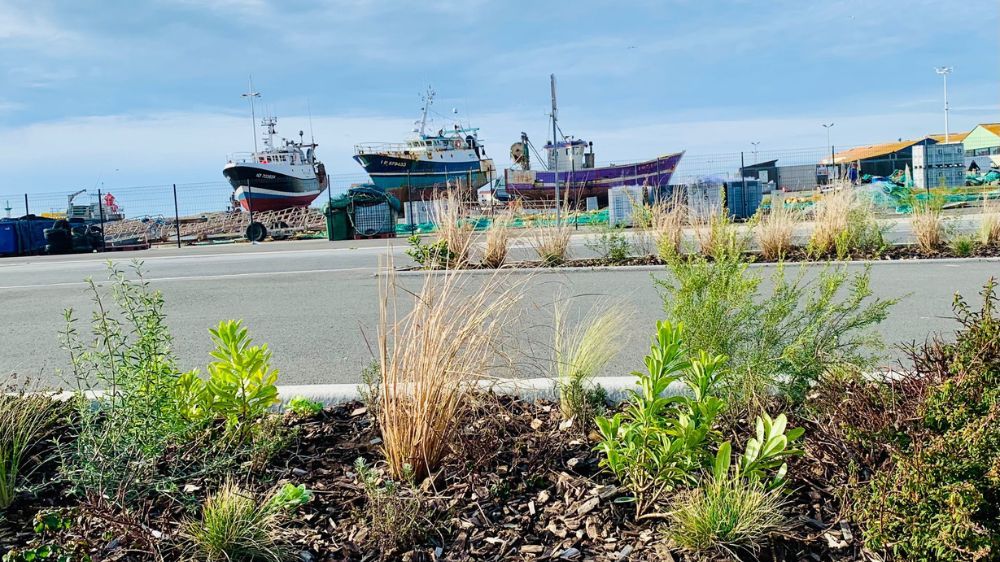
x: 336, y: 224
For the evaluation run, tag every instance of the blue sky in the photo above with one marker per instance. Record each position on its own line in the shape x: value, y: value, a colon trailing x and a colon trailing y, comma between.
x: 148, y: 92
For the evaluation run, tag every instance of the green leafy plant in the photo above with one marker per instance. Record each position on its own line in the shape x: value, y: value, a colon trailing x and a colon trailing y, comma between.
x: 784, y: 340
x: 659, y: 443
x: 434, y: 255
x: 48, y: 524
x: 302, y: 406
x: 939, y: 496
x: 612, y: 244
x: 241, y: 385
x: 963, y: 246
x: 25, y: 417
x: 236, y: 526
x: 290, y: 497
x: 395, y: 514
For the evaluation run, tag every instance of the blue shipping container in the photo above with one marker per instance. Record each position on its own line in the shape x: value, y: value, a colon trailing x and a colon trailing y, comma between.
x: 8, y: 238
x: 28, y: 234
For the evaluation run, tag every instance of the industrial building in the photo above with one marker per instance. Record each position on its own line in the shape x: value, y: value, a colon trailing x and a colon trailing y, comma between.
x: 982, y: 147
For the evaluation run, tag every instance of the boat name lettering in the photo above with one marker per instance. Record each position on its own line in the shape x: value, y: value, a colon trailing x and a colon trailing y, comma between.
x: 391, y: 163
x: 266, y: 176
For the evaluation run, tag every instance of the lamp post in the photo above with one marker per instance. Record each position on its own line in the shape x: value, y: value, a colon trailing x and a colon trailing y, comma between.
x: 250, y: 95
x: 944, y: 71
x: 829, y: 145
x: 755, y: 145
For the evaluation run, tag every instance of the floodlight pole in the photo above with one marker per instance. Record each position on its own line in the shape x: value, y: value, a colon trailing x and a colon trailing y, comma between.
x: 250, y: 95
x: 555, y: 146
x: 829, y: 145
x: 755, y: 145
x: 944, y: 71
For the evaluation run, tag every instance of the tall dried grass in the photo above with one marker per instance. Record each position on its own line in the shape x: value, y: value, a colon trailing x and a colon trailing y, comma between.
x: 551, y: 243
x: 454, y: 227
x: 774, y: 231
x: 927, y: 225
x: 668, y: 221
x: 498, y: 240
x: 989, y: 228
x: 429, y: 357
x: 845, y: 223
x: 581, y: 352
x: 718, y: 236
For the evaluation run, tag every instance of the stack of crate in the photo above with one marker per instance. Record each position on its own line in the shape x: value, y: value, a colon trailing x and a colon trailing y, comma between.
x: 939, y: 165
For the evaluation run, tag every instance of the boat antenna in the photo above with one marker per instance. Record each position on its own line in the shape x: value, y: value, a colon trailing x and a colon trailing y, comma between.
x: 555, y: 141
x: 428, y: 100
x: 251, y: 94
x: 312, y: 137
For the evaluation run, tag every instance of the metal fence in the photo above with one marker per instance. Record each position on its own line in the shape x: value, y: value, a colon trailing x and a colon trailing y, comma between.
x: 198, y: 211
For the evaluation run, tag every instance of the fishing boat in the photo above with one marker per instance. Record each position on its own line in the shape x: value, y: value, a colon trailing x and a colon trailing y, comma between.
x: 571, y: 163
x: 278, y: 177
x: 451, y: 157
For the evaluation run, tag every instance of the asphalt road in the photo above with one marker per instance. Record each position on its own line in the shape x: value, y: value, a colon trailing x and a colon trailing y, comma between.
x: 315, y: 303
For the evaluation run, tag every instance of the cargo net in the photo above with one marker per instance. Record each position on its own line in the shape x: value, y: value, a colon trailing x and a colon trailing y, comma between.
x: 208, y: 226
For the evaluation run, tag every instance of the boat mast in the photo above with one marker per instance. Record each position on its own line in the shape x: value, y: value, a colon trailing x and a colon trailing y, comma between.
x: 555, y: 148
x: 428, y: 100
x: 253, y: 117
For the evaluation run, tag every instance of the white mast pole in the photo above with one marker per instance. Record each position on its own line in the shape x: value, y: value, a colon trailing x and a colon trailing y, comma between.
x: 944, y: 71
x: 253, y: 117
x: 555, y: 148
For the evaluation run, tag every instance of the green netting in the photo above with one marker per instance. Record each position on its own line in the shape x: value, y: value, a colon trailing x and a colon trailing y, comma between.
x: 584, y: 218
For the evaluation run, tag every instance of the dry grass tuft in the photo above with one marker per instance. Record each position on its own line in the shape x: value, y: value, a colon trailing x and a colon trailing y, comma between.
x: 498, y: 240
x: 454, y: 227
x: 927, y: 226
x: 989, y: 229
x: 25, y: 418
x: 845, y: 223
x: 428, y: 359
x: 774, y: 232
x: 551, y: 244
x: 668, y: 222
x: 582, y: 352
x: 718, y: 236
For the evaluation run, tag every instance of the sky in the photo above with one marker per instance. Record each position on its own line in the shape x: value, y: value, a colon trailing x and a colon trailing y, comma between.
x: 128, y: 93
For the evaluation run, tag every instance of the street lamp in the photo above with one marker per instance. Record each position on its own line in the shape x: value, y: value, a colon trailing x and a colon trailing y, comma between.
x: 755, y: 144
x: 829, y: 145
x: 944, y: 71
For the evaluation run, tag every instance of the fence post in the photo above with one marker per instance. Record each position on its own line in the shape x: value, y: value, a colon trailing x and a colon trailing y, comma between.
x: 100, y: 207
x: 409, y: 199
x: 177, y: 218
x: 833, y: 166
x: 26, y: 211
x: 743, y: 185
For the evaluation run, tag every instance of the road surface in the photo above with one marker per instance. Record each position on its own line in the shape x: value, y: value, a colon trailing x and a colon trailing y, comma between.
x: 315, y: 303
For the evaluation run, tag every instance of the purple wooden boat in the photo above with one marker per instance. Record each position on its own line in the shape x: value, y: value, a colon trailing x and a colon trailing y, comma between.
x: 578, y: 177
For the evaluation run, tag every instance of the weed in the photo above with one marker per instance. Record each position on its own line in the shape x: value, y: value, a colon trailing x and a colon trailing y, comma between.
x: 551, y: 244
x: 48, y: 525
x: 370, y: 389
x: 25, y: 418
x: 718, y: 237
x: 302, y: 406
x: 928, y: 225
x: 394, y: 514
x: 612, y: 244
x: 435, y: 255
x: 989, y: 228
x: 427, y: 360
x: 582, y: 353
x: 845, y: 224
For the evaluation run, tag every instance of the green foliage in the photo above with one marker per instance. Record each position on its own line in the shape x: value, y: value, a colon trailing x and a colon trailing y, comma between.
x: 580, y: 355
x: 302, y: 406
x: 612, y: 244
x: 435, y: 255
x: 241, y: 385
x: 48, y: 524
x: 24, y: 420
x: 939, y: 497
x: 963, y: 246
x: 725, y: 517
x: 370, y: 389
x: 393, y: 513
x: 151, y: 427
x: 290, y: 497
x: 236, y: 526
x: 784, y: 340
x: 768, y: 450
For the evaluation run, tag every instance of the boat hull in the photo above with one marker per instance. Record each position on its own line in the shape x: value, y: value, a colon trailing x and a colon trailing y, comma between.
x: 265, y: 190
x: 577, y: 185
x: 402, y: 175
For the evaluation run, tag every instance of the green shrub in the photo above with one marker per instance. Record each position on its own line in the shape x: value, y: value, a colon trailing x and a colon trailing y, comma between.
x: 724, y: 518
x: 939, y: 497
x: 394, y: 514
x: 660, y: 444
x: 963, y: 246
x: 612, y: 244
x: 435, y: 255
x: 785, y: 340
x: 241, y: 385
x: 48, y: 525
x: 24, y: 420
x: 302, y: 406
x: 235, y: 526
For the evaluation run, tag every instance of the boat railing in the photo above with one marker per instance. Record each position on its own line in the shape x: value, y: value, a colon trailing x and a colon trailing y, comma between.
x: 382, y: 147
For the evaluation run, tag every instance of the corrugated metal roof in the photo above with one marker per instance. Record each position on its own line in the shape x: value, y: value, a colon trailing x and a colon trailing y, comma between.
x: 992, y: 127
x: 870, y: 151
x: 952, y: 137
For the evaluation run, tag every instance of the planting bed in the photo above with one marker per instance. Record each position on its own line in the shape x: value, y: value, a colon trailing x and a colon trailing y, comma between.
x: 523, y: 484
